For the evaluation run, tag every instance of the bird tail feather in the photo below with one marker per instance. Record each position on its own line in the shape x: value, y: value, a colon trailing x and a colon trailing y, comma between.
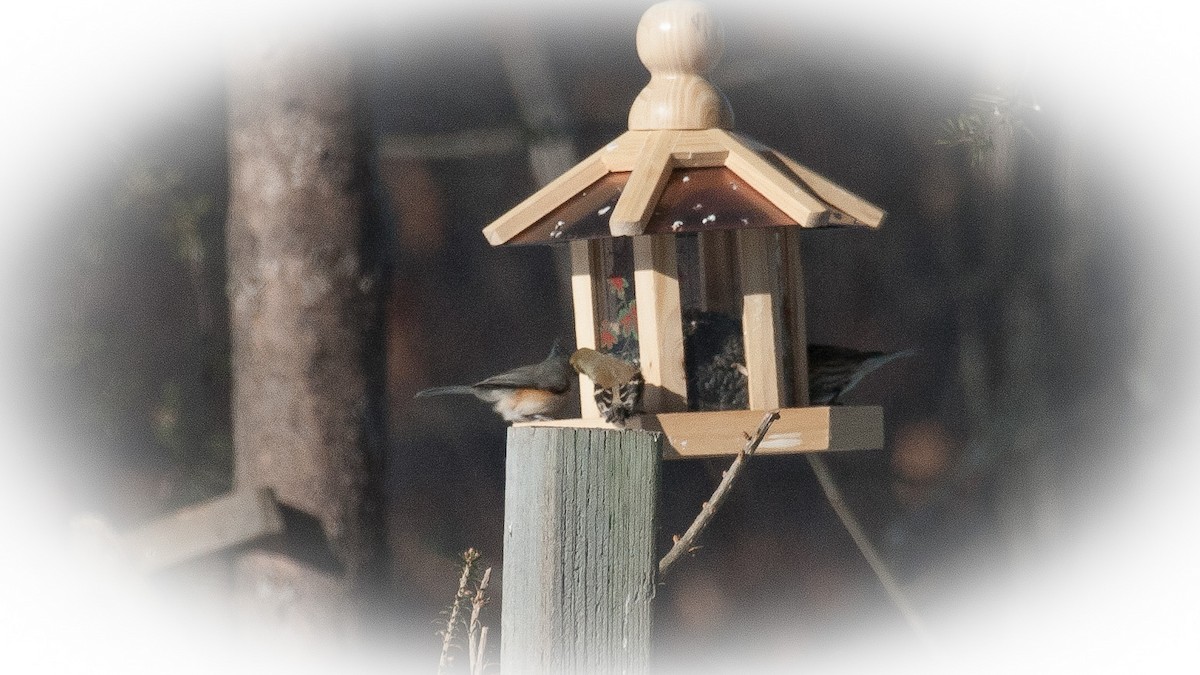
x: 879, y: 361
x: 443, y: 391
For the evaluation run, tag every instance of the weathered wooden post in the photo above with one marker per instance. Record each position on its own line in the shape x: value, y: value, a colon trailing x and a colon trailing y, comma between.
x: 579, y: 550
x: 579, y: 563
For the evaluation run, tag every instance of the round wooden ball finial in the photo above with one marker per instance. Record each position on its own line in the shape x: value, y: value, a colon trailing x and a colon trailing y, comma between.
x: 679, y: 41
x: 681, y: 36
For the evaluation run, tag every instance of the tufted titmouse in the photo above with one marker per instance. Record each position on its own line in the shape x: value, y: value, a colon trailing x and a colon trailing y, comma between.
x: 618, y: 383
x: 532, y: 392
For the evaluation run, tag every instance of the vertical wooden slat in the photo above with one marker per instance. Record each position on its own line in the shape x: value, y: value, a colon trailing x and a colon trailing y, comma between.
x: 762, y: 302
x: 793, y: 319
x: 660, y: 323
x: 586, y: 279
x: 579, y: 563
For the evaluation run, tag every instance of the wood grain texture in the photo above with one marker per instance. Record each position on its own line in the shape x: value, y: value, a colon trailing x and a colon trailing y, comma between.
x: 537, y: 205
x: 579, y: 563
x: 864, y: 212
x: 762, y: 317
x: 646, y: 182
x: 623, y: 151
x: 706, y: 146
x: 678, y: 42
x: 773, y: 184
x: 689, y: 149
x: 660, y: 323
x: 695, y: 435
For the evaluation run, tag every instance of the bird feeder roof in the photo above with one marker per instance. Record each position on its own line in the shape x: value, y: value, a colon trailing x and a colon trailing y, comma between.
x: 692, y: 200
x: 679, y: 168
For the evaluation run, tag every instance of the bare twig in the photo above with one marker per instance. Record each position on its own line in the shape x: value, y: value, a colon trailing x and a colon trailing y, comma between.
x: 886, y: 578
x: 477, y: 634
x: 686, y: 543
x: 468, y: 557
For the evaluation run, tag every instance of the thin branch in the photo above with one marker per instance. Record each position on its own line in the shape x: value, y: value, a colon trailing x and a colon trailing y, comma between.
x: 886, y: 578
x: 686, y: 543
x: 476, y: 634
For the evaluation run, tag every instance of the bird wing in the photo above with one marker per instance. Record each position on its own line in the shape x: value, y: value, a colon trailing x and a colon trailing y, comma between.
x: 517, y: 378
x: 546, y: 375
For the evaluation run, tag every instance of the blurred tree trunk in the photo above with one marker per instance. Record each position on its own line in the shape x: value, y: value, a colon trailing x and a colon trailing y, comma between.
x: 305, y: 330
x: 1021, y: 411
x: 1011, y: 333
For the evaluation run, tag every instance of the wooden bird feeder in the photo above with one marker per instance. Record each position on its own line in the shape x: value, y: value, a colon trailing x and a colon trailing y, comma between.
x: 681, y: 184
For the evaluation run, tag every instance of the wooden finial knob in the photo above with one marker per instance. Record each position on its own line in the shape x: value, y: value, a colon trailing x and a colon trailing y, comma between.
x: 679, y: 41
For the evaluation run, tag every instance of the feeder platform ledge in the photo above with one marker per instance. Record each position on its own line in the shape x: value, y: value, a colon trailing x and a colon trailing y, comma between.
x: 695, y: 435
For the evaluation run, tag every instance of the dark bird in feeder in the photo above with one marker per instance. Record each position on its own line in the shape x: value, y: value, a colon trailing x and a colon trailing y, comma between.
x: 716, y: 374
x: 833, y: 371
x: 523, y: 394
x: 714, y: 361
x: 618, y: 383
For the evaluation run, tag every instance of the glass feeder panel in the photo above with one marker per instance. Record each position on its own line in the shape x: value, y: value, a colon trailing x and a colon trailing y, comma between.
x: 616, y: 325
x: 711, y: 198
x: 691, y: 283
x: 712, y: 333
x: 584, y: 216
x: 720, y: 288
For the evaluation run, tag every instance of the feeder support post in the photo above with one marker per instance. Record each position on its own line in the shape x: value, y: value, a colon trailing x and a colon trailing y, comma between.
x: 579, y: 563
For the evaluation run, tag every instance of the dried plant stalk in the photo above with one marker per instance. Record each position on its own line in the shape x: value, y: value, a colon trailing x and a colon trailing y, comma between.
x: 468, y: 557
x: 477, y: 634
